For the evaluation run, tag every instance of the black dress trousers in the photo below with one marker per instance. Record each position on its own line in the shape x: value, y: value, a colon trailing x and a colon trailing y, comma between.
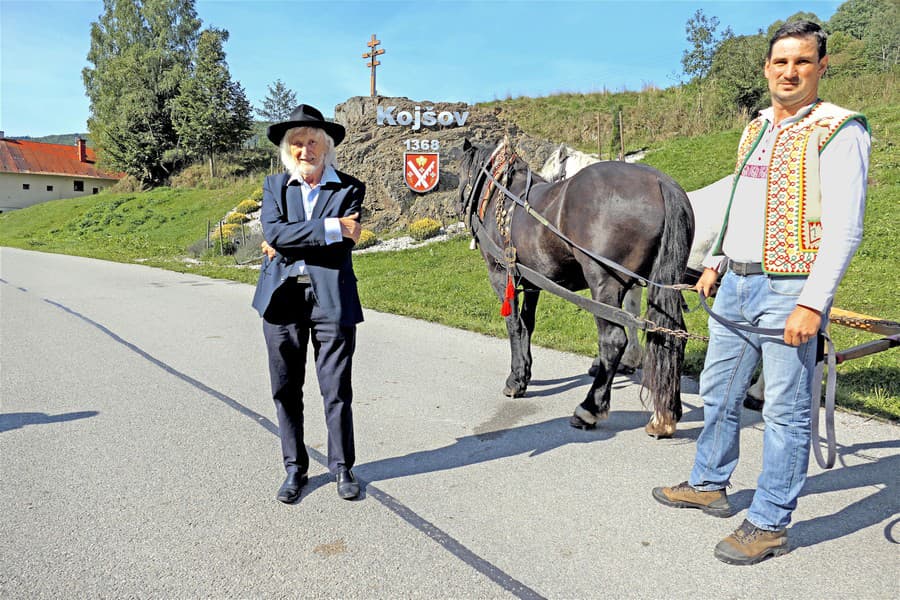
x: 291, y: 320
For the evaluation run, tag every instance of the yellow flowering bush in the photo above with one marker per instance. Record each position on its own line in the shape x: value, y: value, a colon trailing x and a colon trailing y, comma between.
x: 228, y: 230
x: 237, y: 218
x: 366, y: 238
x: 247, y: 206
x: 424, y: 229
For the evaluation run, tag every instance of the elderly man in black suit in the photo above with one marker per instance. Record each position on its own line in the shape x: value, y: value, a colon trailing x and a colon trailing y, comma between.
x: 307, y: 291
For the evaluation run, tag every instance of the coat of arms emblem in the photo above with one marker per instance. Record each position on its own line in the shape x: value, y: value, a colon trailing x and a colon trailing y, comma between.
x: 421, y: 170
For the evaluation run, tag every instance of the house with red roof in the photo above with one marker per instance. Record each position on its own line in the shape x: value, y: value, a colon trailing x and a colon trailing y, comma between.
x: 33, y: 172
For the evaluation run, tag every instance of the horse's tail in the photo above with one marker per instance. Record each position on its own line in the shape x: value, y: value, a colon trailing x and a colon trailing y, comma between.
x: 664, y: 354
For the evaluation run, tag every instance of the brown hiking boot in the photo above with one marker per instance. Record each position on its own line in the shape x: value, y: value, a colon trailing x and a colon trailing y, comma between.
x: 749, y: 544
x: 713, y: 503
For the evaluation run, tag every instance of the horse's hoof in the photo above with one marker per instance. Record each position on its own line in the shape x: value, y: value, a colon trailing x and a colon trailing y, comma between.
x: 513, y: 392
x: 660, y: 427
x: 577, y: 423
x: 593, y: 370
x: 584, y: 419
x: 753, y: 403
x: 626, y: 370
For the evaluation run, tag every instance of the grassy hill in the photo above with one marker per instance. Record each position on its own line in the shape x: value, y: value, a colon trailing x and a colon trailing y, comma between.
x: 447, y: 283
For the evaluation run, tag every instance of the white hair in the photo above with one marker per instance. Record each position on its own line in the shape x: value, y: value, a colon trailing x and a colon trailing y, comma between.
x: 287, y: 159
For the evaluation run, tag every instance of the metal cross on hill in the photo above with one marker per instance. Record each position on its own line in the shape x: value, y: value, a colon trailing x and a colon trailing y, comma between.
x: 373, y: 55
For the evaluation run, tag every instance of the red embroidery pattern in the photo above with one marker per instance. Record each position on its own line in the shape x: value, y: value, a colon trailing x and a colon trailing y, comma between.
x: 755, y: 171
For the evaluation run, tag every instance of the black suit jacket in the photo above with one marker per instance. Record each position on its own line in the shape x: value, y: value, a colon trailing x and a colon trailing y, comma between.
x: 330, y: 267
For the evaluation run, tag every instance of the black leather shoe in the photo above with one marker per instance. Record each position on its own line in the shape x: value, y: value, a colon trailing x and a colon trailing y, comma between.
x: 290, y: 489
x: 347, y: 486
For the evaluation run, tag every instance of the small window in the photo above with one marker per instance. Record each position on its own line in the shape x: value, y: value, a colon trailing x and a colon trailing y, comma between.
x: 96, y: 191
x: 26, y: 186
x: 79, y: 186
x: 49, y: 188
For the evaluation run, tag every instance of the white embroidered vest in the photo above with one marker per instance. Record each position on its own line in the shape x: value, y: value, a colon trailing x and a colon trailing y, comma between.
x: 793, y: 226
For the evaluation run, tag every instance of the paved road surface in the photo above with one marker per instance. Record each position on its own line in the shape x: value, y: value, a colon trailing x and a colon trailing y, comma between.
x: 140, y: 459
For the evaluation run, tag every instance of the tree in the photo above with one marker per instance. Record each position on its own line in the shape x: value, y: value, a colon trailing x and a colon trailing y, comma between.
x: 798, y: 16
x: 140, y: 52
x: 211, y: 113
x: 855, y: 16
x: 874, y: 22
x: 278, y: 104
x: 846, y: 55
x: 701, y: 34
x: 738, y: 70
x: 882, y: 39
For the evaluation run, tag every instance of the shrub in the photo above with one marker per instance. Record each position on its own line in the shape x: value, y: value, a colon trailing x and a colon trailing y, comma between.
x: 247, y: 206
x: 249, y: 251
x: 256, y: 195
x: 228, y: 230
x: 424, y: 229
x: 366, y: 238
x: 236, y: 217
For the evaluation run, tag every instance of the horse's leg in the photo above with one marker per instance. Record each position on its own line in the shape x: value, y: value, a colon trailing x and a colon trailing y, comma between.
x: 756, y: 395
x: 519, y: 325
x: 631, y: 359
x: 611, y: 345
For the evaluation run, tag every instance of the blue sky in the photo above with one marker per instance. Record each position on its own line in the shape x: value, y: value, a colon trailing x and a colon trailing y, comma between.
x: 434, y: 50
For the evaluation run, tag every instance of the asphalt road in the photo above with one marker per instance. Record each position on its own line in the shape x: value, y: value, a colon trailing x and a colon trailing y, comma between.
x: 140, y: 458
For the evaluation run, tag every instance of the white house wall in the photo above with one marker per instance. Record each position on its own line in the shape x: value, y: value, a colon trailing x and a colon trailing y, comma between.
x: 13, y: 195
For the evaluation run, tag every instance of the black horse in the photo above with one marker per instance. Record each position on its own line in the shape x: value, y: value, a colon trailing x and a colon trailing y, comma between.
x: 630, y: 214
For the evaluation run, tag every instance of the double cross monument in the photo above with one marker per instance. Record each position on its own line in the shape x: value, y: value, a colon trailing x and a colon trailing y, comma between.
x: 373, y: 62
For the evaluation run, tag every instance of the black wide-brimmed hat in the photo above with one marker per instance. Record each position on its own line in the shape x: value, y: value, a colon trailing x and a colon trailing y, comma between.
x: 305, y: 116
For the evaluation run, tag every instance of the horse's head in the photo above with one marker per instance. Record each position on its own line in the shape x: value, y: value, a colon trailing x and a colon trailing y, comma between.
x: 471, y: 177
x: 482, y: 170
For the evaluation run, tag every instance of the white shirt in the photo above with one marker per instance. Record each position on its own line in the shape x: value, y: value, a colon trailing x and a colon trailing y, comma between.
x: 843, y: 168
x: 310, y: 196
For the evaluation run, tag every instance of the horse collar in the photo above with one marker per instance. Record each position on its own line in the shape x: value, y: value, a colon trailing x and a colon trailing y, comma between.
x: 505, y: 159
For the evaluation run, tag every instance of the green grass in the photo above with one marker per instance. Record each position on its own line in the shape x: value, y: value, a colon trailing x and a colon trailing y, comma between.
x: 122, y: 227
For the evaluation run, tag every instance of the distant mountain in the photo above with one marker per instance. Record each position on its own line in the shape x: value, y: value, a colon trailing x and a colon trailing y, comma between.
x: 67, y: 139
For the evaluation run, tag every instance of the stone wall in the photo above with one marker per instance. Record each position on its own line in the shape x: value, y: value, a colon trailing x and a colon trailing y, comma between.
x: 374, y: 154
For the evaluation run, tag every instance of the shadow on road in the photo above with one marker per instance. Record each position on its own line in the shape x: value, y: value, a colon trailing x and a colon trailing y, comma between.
x: 881, y: 477
x: 533, y: 440
x: 10, y: 421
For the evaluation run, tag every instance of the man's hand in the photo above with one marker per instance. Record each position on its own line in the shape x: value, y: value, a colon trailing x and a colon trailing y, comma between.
x: 801, y: 325
x: 707, y: 282
x: 350, y: 227
x: 268, y: 250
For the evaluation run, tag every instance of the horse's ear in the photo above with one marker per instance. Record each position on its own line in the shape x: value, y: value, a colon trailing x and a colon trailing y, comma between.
x: 466, y: 144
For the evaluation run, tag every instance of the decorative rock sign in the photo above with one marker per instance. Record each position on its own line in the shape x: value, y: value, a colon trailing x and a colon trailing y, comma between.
x: 378, y: 155
x: 418, y: 119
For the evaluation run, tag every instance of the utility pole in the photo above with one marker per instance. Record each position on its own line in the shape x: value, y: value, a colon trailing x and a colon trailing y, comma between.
x: 373, y: 55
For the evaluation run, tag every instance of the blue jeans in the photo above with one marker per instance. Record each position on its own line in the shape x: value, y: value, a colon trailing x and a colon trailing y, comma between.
x: 731, y: 359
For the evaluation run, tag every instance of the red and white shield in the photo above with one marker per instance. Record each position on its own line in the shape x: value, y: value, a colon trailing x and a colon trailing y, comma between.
x: 421, y: 170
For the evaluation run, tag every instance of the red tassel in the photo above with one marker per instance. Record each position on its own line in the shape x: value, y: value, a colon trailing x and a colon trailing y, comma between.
x: 510, y: 288
x: 506, y: 309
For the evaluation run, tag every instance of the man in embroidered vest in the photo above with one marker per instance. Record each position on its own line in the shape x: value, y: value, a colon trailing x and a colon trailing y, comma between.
x: 307, y: 291
x: 793, y: 223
